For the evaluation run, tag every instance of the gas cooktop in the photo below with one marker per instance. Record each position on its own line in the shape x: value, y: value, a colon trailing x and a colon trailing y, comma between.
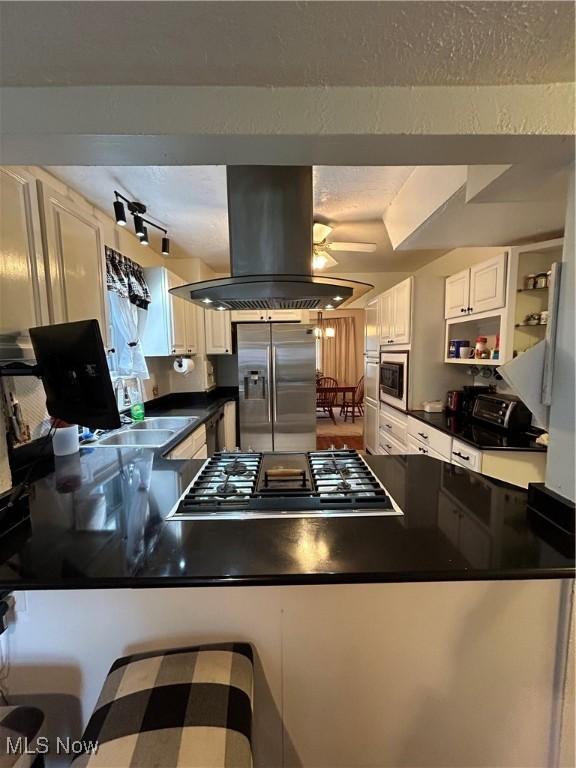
x: 315, y: 484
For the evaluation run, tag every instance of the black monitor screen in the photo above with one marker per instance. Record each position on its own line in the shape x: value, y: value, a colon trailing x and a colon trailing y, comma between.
x: 74, y: 371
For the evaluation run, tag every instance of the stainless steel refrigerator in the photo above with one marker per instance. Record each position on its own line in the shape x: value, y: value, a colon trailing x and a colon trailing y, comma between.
x: 277, y: 381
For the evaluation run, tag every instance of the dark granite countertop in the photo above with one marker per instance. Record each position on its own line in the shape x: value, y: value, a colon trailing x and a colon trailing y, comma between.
x: 98, y: 521
x: 479, y: 435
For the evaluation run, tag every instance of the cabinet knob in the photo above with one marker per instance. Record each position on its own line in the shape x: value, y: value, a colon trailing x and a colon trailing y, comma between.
x: 470, y: 309
x: 424, y: 435
x: 464, y: 309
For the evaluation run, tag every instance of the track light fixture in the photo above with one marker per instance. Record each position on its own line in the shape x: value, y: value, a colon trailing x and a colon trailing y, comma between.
x: 138, y: 210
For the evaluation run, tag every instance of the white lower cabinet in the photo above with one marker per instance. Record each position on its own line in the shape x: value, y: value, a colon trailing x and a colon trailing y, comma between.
x: 416, y: 446
x: 466, y: 456
x: 388, y: 444
x: 230, y: 441
x: 371, y: 426
x: 433, y: 439
x: 191, y: 446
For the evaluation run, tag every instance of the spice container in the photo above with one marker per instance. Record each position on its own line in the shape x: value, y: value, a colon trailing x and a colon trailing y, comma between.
x: 541, y: 280
x: 530, y: 282
x: 480, y: 347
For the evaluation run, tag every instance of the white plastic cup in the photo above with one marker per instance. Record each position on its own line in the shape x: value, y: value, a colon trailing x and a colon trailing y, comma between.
x: 65, y: 441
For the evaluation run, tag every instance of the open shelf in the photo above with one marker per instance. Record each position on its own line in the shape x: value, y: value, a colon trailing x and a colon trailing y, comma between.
x: 529, y: 290
x: 472, y: 361
x: 530, y: 325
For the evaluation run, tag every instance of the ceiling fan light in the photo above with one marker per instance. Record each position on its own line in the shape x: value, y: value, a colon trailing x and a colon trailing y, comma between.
x: 320, y: 231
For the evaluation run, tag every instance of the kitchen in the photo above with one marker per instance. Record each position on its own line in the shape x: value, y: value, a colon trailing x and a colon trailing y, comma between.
x: 426, y: 531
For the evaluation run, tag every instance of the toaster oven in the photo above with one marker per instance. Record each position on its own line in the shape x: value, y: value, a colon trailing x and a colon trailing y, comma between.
x: 504, y: 411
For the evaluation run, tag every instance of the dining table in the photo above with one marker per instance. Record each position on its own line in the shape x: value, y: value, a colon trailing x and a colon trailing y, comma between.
x: 344, y: 390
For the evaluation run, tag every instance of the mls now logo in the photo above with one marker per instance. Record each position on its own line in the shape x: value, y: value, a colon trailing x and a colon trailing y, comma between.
x: 41, y: 746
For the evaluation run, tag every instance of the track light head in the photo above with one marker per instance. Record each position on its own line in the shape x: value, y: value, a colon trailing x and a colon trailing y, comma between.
x: 165, y: 246
x: 139, y: 227
x: 119, y: 213
x: 144, y: 236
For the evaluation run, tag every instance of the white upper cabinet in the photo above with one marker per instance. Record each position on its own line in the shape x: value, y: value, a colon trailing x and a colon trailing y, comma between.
x: 218, y: 332
x: 457, y: 294
x: 194, y: 324
x: 387, y: 317
x: 372, y: 327
x: 488, y: 284
x: 478, y: 289
x: 75, y: 262
x: 402, y: 311
x: 165, y: 333
x: 23, y: 301
x: 396, y: 314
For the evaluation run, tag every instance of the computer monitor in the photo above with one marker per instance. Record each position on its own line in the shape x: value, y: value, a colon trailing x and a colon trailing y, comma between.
x: 71, y: 362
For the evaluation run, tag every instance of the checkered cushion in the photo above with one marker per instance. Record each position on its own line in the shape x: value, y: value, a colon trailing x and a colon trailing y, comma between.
x: 184, y: 707
x: 15, y: 723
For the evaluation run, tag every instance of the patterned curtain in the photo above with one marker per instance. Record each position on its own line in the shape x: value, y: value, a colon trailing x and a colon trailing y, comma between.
x: 126, y: 278
x: 338, y: 352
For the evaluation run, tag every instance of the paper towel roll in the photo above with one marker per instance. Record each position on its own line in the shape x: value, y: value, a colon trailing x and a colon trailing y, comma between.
x: 183, y: 365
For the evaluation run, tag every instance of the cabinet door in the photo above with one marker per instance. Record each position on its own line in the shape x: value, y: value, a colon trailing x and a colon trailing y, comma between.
x: 230, y: 425
x: 192, y: 322
x: 371, y: 380
x: 23, y: 301
x: 402, y: 309
x: 218, y: 332
x: 248, y: 315
x: 372, y: 327
x: 387, y: 302
x: 178, y: 310
x: 488, y: 284
x: 76, y: 262
x: 371, y: 427
x: 457, y: 294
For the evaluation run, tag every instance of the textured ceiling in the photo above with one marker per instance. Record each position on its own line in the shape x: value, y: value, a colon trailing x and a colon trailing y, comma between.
x: 191, y: 202
x: 286, y: 43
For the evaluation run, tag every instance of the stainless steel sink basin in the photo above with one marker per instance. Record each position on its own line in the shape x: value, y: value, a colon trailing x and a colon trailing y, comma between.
x: 175, y: 423
x: 132, y: 438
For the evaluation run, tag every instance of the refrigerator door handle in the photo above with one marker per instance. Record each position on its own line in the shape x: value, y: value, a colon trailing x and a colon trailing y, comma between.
x: 273, y: 389
x: 268, y: 386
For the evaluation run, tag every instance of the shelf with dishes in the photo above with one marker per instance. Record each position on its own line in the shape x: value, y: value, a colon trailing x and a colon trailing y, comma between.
x: 474, y: 340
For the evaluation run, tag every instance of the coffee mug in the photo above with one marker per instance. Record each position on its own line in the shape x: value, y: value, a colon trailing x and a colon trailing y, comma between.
x: 465, y: 353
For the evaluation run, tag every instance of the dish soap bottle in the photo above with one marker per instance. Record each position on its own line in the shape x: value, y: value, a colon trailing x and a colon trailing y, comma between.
x: 137, y: 406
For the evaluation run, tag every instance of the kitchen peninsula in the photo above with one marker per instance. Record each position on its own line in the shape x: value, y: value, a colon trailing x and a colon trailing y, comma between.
x: 99, y: 521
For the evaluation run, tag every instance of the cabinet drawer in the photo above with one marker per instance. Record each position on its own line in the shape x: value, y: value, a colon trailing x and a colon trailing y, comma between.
x: 190, y: 446
x: 390, y: 445
x: 415, y: 446
x: 466, y: 456
x: 433, y: 438
x: 393, y: 424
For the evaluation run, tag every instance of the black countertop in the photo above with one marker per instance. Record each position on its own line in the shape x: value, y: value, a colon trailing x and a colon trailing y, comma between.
x: 99, y: 521
x: 478, y: 435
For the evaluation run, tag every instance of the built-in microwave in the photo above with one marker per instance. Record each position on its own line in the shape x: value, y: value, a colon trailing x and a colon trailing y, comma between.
x: 394, y: 379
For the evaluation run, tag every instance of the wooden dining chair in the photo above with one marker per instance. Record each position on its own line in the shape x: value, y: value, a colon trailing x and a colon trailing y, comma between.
x: 354, y: 407
x: 325, y: 401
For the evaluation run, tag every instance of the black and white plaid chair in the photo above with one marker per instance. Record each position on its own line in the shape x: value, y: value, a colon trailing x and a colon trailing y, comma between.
x: 19, y: 729
x: 187, y: 707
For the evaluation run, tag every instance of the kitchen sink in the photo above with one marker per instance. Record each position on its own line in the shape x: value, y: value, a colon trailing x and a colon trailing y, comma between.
x: 175, y: 423
x: 132, y: 438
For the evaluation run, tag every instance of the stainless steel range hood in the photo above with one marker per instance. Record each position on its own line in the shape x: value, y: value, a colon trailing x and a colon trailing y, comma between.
x: 270, y: 226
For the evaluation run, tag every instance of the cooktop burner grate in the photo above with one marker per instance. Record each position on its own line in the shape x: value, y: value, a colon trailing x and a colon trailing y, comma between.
x: 318, y: 483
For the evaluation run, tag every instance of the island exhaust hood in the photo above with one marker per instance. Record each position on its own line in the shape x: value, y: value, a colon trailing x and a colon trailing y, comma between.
x: 270, y: 226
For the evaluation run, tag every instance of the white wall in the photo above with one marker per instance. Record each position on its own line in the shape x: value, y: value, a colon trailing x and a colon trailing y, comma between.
x: 562, y: 425
x: 379, y: 676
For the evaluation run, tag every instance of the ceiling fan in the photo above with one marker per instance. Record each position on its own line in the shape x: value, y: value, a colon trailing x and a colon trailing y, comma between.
x: 322, y: 248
